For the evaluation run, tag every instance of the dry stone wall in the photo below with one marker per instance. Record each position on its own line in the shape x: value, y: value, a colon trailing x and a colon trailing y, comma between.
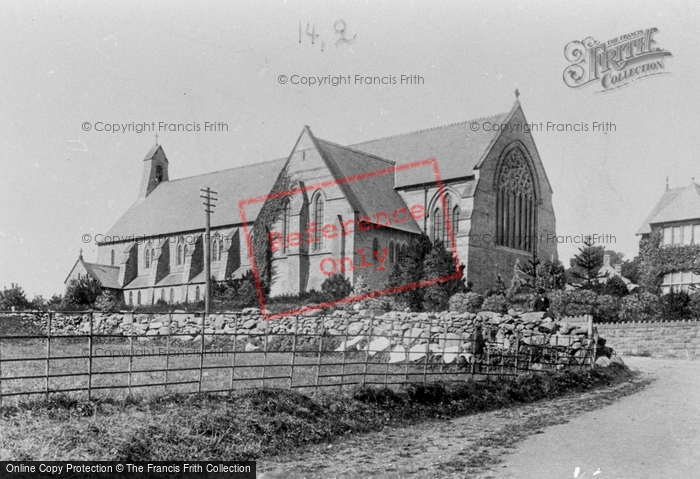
x: 504, y: 330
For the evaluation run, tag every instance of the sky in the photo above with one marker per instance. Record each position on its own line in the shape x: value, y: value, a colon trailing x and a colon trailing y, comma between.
x: 66, y: 64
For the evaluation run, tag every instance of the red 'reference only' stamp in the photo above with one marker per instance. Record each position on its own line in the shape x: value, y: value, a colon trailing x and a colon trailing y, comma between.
x: 362, y: 258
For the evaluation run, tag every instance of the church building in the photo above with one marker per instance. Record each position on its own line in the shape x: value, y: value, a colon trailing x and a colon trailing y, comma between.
x: 477, y: 185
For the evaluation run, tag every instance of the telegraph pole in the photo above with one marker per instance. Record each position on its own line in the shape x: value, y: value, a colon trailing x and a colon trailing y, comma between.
x: 208, y: 210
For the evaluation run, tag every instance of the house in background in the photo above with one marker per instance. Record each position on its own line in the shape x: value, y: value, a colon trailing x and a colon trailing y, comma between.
x: 677, y: 216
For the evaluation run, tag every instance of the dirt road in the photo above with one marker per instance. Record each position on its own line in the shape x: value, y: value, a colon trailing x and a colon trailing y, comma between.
x: 474, y: 446
x: 652, y: 434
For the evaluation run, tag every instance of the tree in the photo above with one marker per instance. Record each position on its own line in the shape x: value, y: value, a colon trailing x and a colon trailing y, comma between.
x: 13, y: 297
x: 82, y: 292
x: 585, y: 266
x: 631, y: 270
x: 530, y: 269
x: 439, y: 263
x: 336, y: 287
x: 408, y: 270
x: 550, y: 275
x: 614, y: 286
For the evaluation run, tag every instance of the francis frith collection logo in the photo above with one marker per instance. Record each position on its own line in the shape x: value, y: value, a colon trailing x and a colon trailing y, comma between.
x: 615, y: 63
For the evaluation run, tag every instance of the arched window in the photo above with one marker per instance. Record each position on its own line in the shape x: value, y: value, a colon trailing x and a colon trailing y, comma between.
x: 184, y: 254
x: 159, y: 174
x: 162, y: 295
x: 319, y: 219
x: 375, y: 250
x: 148, y: 258
x: 179, y: 254
x: 221, y: 247
x: 196, y: 294
x: 153, y: 256
x: 438, y: 225
x: 215, y: 254
x: 172, y: 296
x: 516, y: 210
x: 391, y: 252
x: 455, y: 219
x: 131, y: 298
x: 111, y: 262
x: 138, y: 297
x: 286, y: 219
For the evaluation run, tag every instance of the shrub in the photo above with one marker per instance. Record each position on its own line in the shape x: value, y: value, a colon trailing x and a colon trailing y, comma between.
x: 496, y: 303
x: 81, y: 292
x: 336, y: 287
x: 13, y: 297
x: 466, y: 302
x: 639, y: 307
x: 694, y: 305
x: 607, y: 308
x: 675, y: 305
x: 550, y: 275
x: 614, y: 286
x: 108, y: 301
x: 572, y: 303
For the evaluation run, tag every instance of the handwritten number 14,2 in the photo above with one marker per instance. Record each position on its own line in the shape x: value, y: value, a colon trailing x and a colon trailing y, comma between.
x: 339, y: 27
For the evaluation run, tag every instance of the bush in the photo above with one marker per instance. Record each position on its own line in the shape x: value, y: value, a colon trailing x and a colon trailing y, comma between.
x: 694, y: 305
x: 108, y: 301
x: 336, y: 287
x: 496, y: 303
x: 13, y: 297
x: 81, y: 293
x: 675, y: 306
x: 639, y: 307
x: 572, y: 303
x: 614, y: 286
x: 466, y: 302
x: 607, y: 308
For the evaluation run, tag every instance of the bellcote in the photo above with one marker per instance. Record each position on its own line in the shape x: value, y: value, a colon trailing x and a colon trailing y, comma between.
x: 155, y: 170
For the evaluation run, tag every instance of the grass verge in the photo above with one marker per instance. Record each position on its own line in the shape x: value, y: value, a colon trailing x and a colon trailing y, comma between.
x: 254, y: 424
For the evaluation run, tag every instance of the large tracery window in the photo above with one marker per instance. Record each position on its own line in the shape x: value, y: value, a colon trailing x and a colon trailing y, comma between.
x: 516, y: 206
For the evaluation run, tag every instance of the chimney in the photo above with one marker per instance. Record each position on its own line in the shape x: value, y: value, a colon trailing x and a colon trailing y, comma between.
x: 606, y: 259
x: 618, y: 268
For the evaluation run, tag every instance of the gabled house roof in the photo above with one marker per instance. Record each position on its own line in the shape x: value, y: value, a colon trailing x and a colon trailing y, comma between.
x: 457, y: 148
x: 676, y: 204
x: 369, y: 195
x: 175, y: 206
x: 108, y: 276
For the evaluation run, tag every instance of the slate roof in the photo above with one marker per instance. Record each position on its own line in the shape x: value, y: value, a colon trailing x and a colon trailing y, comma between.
x: 457, y: 149
x: 368, y: 195
x: 676, y: 204
x: 175, y: 206
x: 108, y: 276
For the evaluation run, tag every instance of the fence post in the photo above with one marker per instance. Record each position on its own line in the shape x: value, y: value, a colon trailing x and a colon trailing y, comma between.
x: 407, y: 349
x: 236, y: 318
x: 267, y: 331
x: 295, y: 332
x: 319, y: 332
x: 131, y: 349
x: 447, y: 326
x: 48, y: 353
x: 472, y: 341
x: 201, y: 352
x: 90, y: 358
x: 427, y: 351
x: 556, y: 351
x: 345, y: 347
x: 595, y: 350
x: 364, y: 372
x: 390, y: 336
x: 167, y: 350
x: 517, y: 353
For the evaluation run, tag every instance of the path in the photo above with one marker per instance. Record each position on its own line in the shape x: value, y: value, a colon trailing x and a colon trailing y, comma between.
x: 457, y: 448
x: 652, y: 434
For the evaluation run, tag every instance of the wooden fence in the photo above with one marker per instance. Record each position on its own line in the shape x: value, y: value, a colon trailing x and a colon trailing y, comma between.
x: 118, y: 365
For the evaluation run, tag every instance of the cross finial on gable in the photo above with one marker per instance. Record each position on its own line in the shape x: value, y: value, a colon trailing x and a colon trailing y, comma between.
x: 156, y: 139
x: 81, y: 253
x: 667, y: 182
x: 517, y: 95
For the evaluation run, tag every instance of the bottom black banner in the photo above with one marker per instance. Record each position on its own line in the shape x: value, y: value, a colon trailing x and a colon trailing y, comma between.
x: 126, y: 469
